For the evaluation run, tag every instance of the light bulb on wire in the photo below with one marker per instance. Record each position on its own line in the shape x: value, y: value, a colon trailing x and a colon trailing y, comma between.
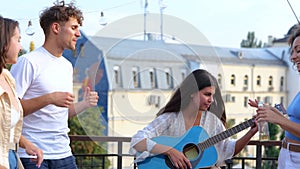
x: 103, y: 20
x: 30, y: 29
x: 162, y: 4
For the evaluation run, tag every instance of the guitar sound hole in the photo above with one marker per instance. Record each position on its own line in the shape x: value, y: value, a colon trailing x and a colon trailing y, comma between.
x: 191, y: 151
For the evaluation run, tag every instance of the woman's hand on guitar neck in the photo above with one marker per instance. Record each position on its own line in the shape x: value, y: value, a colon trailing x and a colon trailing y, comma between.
x: 178, y: 159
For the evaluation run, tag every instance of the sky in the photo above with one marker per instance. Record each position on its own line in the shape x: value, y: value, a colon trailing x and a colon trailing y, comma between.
x: 224, y: 23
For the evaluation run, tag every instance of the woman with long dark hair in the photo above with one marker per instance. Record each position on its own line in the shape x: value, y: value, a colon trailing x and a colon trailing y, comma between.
x: 196, y: 102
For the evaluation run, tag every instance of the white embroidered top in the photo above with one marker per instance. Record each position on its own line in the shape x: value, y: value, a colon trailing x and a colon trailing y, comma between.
x: 172, y: 124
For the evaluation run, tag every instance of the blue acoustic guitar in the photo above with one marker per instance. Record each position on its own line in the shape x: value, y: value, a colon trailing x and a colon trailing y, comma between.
x: 195, y: 144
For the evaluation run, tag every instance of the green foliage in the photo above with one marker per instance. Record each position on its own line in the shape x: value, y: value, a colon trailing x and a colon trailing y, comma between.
x: 273, y: 130
x: 31, y: 46
x: 22, y: 52
x: 231, y: 123
x: 88, y: 123
x: 271, y: 151
x: 251, y: 41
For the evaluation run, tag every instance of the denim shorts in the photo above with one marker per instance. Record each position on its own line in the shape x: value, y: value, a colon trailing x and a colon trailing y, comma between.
x: 13, y: 161
x: 64, y: 163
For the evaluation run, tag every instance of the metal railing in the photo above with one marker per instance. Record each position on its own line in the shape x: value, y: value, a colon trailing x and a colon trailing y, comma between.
x: 120, y: 155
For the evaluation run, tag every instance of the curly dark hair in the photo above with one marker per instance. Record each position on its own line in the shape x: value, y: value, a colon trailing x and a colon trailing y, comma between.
x: 59, y: 13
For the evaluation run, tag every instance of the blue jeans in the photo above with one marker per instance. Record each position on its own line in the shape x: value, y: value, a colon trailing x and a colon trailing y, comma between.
x: 65, y: 163
x: 12, y: 158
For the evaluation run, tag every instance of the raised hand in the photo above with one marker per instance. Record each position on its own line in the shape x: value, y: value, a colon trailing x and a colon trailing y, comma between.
x: 253, y: 103
x: 90, y: 97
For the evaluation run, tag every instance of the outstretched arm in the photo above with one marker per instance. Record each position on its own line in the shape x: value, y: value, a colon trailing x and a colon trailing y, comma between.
x: 90, y: 99
x: 272, y: 115
x: 243, y: 141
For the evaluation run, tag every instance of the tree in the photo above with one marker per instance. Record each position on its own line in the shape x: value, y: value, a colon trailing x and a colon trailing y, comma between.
x: 271, y: 151
x: 88, y: 123
x: 251, y: 41
x: 31, y: 46
x: 231, y: 123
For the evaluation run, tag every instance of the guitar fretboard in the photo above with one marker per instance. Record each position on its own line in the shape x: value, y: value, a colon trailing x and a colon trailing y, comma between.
x: 225, y: 134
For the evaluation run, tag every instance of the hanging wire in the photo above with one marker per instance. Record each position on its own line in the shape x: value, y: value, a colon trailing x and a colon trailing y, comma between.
x: 102, y: 10
x: 293, y: 11
x: 117, y: 6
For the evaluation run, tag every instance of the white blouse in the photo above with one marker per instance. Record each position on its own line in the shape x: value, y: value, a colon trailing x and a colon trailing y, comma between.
x: 172, y: 124
x: 15, y: 117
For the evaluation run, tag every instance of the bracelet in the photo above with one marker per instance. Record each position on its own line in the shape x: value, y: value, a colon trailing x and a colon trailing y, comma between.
x: 280, y: 108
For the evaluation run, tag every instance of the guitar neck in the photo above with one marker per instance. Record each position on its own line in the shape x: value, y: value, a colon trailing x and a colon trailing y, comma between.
x: 225, y: 134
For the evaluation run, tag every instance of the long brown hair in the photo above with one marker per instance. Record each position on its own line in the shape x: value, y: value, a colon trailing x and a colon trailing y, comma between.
x: 194, y: 82
x: 7, y: 30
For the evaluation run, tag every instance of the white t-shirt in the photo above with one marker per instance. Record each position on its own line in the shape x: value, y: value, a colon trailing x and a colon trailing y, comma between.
x: 38, y: 73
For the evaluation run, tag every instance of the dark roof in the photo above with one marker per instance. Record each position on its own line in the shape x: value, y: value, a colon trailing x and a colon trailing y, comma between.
x: 286, y: 36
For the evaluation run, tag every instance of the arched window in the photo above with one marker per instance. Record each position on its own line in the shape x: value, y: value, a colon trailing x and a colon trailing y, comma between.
x: 169, y: 79
x: 258, y: 80
x: 246, y: 80
x: 270, y: 82
x: 220, y: 80
x: 117, y: 75
x: 232, y: 80
x: 136, y: 77
x: 153, y: 80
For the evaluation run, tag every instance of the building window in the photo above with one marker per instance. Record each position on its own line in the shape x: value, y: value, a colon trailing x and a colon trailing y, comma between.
x: 281, y: 83
x: 169, y: 79
x: 245, y: 101
x: 270, y: 81
x: 81, y: 50
x: 258, y: 98
x: 220, y: 80
x: 246, y: 79
x: 282, y: 100
x: 183, y: 74
x: 233, y: 99
x: 258, y: 81
x: 136, y: 77
x: 117, y: 75
x: 152, y: 75
x: 232, y: 80
x: 268, y: 100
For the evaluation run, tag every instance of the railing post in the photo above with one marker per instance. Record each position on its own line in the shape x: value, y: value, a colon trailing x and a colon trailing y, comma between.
x: 120, y: 148
x: 258, y: 155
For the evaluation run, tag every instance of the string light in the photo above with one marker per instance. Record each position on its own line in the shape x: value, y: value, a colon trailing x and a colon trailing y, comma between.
x: 103, y: 21
x: 30, y: 29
